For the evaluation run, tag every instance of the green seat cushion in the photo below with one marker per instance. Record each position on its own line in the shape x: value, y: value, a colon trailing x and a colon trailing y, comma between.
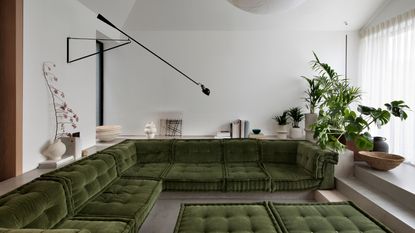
x: 86, y: 178
x: 225, y: 218
x: 198, y: 151
x: 244, y: 150
x: 38, y: 204
x: 276, y: 151
x: 325, y: 217
x: 246, y: 177
x: 194, y: 177
x: 154, y: 171
x: 125, y: 198
x: 2, y: 230
x: 287, y: 177
x: 154, y: 151
x: 97, y: 226
x: 124, y: 154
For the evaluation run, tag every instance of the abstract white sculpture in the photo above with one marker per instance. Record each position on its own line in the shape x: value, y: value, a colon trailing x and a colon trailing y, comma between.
x: 150, y: 130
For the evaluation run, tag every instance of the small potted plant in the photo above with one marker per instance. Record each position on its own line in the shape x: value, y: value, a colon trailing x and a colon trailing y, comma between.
x: 313, y: 97
x: 282, y: 127
x: 296, y: 116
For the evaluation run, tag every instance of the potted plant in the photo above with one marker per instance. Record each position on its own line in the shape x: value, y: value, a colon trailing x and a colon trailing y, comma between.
x: 296, y: 116
x: 282, y: 127
x: 314, y: 94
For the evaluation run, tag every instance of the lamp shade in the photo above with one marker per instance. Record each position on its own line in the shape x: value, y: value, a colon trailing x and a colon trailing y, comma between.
x: 266, y: 6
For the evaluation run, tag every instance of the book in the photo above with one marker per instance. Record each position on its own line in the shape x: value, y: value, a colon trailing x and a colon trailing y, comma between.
x: 52, y: 164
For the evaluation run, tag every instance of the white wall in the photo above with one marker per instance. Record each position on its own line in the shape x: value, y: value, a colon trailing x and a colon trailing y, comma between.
x: 252, y: 75
x: 392, y: 9
x: 47, y: 23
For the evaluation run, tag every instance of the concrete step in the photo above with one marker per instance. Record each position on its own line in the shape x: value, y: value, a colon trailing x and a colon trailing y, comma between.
x: 397, y: 183
x: 396, y: 215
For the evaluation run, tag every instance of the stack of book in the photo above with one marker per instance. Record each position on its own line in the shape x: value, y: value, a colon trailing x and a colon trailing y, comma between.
x: 239, y: 129
x: 223, y: 135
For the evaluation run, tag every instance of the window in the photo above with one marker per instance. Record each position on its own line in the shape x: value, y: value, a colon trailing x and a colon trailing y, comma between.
x: 388, y: 73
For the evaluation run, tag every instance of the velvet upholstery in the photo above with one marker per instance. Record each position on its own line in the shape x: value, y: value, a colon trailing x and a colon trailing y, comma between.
x: 325, y: 217
x: 223, y: 218
x: 198, y: 151
x: 239, y: 151
x: 246, y: 177
x: 153, y: 171
x: 154, y: 151
x: 124, y: 153
x: 4, y: 230
x: 274, y: 151
x: 99, y: 226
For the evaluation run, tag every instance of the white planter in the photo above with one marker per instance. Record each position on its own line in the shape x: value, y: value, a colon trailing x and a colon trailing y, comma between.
x: 310, y: 118
x: 282, y: 128
x: 55, y: 150
x: 282, y: 135
x: 296, y: 133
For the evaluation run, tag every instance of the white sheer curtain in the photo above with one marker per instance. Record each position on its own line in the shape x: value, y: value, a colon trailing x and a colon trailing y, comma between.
x: 387, y: 72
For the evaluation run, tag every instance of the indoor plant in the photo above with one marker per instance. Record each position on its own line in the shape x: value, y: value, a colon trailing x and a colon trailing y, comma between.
x: 296, y: 116
x: 282, y: 127
x: 313, y: 97
x: 64, y: 116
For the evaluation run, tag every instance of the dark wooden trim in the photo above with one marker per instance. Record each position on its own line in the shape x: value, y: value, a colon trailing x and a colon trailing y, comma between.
x: 11, y: 88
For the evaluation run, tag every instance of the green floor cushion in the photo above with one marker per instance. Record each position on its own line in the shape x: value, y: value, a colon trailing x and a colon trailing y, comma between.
x: 325, y: 217
x: 195, y: 177
x: 286, y: 177
x: 124, y: 153
x: 154, y: 151
x: 236, y: 151
x: 279, y: 151
x: 155, y: 171
x: 86, y: 178
x: 225, y: 218
x: 38, y: 204
x: 125, y: 198
x: 197, y: 151
x: 2, y: 230
x: 97, y: 226
x: 246, y: 177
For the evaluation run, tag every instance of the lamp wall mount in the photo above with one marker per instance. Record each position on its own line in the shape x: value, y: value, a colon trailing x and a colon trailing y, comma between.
x: 68, y: 44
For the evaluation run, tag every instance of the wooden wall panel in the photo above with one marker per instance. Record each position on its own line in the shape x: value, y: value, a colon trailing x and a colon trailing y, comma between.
x: 11, y: 88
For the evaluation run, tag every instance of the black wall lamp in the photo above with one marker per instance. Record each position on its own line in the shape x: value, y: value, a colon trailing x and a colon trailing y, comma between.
x: 205, y: 90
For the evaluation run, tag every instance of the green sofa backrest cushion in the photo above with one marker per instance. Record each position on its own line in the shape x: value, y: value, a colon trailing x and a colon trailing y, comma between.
x: 198, y: 151
x: 276, y: 151
x: 306, y: 156
x: 154, y: 151
x: 38, y: 204
x: 237, y: 150
x: 86, y: 177
x: 124, y: 153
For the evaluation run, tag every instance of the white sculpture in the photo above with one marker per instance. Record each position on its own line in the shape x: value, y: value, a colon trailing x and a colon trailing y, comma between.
x: 150, y: 130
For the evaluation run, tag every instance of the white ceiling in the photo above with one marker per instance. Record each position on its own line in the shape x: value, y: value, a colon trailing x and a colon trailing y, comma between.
x: 137, y: 15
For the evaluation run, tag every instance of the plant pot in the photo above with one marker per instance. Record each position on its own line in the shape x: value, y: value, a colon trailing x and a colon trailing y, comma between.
x: 282, y: 128
x: 296, y: 133
x: 282, y: 135
x: 310, y: 119
x: 379, y: 144
x: 55, y: 150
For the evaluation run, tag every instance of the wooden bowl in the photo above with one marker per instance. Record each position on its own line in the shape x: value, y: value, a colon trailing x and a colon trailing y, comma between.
x: 380, y: 160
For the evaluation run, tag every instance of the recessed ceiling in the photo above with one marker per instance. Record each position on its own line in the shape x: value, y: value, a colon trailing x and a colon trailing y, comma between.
x: 136, y: 15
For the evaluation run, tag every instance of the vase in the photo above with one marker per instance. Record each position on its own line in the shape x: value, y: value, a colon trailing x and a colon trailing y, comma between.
x: 379, y: 144
x: 296, y: 133
x: 55, y: 150
x: 310, y: 119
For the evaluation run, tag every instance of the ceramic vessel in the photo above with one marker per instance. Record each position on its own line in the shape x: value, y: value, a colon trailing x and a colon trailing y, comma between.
x: 55, y: 150
x: 107, y: 133
x: 379, y: 144
x: 310, y: 119
x: 296, y: 133
x: 282, y: 131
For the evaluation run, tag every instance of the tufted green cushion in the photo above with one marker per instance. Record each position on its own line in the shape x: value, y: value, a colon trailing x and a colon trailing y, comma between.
x: 2, y: 230
x: 312, y: 158
x: 125, y: 198
x: 244, y: 150
x: 325, y: 217
x: 124, y: 153
x: 97, y: 226
x: 246, y: 177
x: 279, y: 151
x: 198, y: 151
x: 195, y: 177
x: 38, y: 204
x: 225, y: 218
x: 290, y: 177
x: 154, y: 171
x: 86, y: 178
x: 154, y: 151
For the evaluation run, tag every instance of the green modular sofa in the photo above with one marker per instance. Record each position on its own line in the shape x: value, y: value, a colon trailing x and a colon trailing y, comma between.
x: 115, y: 189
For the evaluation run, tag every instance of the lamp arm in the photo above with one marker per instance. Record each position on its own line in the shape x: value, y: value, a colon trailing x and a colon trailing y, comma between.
x: 103, y: 19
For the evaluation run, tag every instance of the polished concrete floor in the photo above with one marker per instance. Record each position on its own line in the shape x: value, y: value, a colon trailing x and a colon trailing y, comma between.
x: 163, y: 216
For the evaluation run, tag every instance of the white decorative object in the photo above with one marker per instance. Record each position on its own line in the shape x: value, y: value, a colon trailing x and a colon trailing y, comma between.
x: 296, y: 133
x: 108, y: 133
x: 282, y: 131
x: 54, y: 150
x: 150, y: 130
x: 310, y: 119
x: 53, y: 164
x: 266, y: 6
